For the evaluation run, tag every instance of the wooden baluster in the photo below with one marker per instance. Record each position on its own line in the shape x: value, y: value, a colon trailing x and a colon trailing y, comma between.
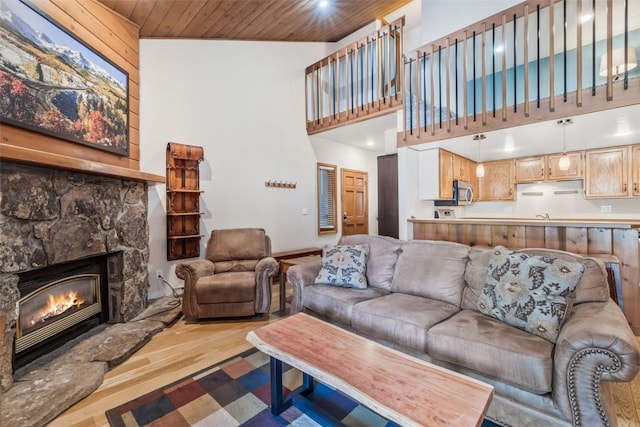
x: 626, y: 44
x: 564, y: 49
x: 552, y: 30
x: 504, y: 68
x: 456, y: 82
x: 416, y: 83
x: 320, y: 97
x: 448, y: 87
x: 379, y: 82
x: 424, y: 89
x: 465, y: 119
x: 525, y: 52
x: 593, y: 49
x: 515, y: 64
x: 407, y: 102
x: 609, y: 50
x: 433, y: 109
x: 493, y: 68
x: 579, y: 56
x: 484, y: 74
x: 410, y: 106
x: 538, y: 53
x: 439, y: 86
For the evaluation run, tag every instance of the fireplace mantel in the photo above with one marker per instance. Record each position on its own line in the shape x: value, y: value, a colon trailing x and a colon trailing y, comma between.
x: 30, y: 156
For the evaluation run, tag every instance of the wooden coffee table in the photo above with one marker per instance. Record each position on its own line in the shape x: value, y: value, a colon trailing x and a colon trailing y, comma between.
x: 399, y: 387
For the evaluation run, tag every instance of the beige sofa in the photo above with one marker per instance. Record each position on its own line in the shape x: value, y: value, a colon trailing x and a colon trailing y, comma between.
x: 422, y: 298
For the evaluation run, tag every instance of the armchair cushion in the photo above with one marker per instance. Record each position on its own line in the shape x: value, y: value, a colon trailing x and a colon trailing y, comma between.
x: 231, y: 248
x: 227, y: 288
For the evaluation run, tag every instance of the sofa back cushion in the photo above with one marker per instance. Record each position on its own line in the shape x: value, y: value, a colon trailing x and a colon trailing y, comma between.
x: 431, y: 269
x: 592, y: 287
x: 383, y: 254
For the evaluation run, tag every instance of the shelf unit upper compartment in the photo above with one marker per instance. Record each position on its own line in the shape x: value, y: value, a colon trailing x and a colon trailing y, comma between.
x: 183, y: 200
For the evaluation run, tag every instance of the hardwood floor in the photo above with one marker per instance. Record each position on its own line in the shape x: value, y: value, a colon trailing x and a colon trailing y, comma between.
x: 186, y: 348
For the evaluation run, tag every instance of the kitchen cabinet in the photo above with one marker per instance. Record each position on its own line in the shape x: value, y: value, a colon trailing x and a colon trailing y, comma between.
x: 575, y: 167
x: 545, y: 168
x: 438, y: 169
x: 606, y: 172
x: 498, y: 181
x: 635, y: 170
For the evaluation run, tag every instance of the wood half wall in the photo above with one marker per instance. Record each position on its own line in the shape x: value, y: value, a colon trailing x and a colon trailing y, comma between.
x: 114, y: 37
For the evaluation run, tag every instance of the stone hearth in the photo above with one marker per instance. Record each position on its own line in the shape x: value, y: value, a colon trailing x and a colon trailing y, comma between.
x: 48, y: 217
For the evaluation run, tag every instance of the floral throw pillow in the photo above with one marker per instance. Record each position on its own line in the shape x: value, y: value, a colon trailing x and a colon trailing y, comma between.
x: 344, y: 265
x: 532, y: 293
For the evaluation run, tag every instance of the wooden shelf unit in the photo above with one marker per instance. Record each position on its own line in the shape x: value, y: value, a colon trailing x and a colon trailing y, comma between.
x: 183, y: 200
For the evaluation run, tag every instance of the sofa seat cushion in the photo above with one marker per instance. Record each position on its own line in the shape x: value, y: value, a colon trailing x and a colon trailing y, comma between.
x: 400, y: 318
x: 490, y: 347
x: 336, y: 303
x: 227, y: 287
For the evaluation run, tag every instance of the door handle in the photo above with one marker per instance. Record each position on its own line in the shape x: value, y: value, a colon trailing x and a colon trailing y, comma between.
x: 344, y: 219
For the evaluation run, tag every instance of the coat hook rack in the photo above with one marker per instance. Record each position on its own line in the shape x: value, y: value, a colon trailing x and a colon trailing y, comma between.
x: 280, y: 184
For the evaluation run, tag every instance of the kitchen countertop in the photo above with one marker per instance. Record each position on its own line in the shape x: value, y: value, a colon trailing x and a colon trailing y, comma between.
x: 560, y: 222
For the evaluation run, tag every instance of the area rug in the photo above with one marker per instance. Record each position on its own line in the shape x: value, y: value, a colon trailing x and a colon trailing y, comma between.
x: 236, y: 392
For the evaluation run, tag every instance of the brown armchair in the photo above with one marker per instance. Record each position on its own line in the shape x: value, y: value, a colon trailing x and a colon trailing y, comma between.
x: 235, y: 278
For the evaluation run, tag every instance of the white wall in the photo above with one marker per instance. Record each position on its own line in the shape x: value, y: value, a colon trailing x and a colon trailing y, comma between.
x: 244, y: 103
x: 442, y: 17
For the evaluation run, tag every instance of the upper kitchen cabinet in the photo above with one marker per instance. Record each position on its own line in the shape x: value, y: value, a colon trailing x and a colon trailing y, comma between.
x: 497, y: 182
x: 438, y: 169
x: 545, y: 168
x: 635, y: 170
x: 606, y: 172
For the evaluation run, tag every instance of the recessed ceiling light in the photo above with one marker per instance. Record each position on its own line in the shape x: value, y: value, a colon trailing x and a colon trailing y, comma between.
x: 370, y: 143
x: 323, y: 3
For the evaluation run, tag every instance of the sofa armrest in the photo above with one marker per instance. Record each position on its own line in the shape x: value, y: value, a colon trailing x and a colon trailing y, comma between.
x: 190, y: 272
x: 595, y: 344
x: 265, y: 269
x: 299, y: 276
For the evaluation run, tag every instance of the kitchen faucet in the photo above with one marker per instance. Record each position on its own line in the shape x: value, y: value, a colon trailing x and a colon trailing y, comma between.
x: 545, y: 216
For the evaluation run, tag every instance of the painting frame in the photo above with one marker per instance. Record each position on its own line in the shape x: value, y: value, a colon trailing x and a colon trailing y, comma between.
x: 54, y: 83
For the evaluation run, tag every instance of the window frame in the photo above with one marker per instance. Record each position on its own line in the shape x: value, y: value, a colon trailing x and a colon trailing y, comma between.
x: 331, y: 225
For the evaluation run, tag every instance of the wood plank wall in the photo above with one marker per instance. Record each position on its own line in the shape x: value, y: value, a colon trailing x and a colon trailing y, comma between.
x: 114, y: 37
x: 622, y: 243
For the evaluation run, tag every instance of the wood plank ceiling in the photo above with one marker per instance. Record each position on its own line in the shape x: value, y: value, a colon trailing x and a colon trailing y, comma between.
x: 274, y: 20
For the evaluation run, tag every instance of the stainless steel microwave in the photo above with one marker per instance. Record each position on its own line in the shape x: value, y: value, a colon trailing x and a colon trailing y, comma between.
x: 462, y: 195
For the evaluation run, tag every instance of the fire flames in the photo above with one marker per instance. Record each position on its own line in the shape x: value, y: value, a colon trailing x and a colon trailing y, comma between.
x: 56, y: 305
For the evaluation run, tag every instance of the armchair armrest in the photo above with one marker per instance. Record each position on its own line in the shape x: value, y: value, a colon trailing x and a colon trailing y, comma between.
x: 299, y: 276
x: 265, y: 269
x: 190, y: 272
x: 596, y: 344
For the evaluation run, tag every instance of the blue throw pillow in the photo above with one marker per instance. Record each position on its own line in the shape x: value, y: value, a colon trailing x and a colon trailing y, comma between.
x: 344, y: 265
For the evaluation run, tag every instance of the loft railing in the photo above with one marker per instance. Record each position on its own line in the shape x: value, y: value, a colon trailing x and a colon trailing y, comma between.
x: 361, y: 81
x: 539, y: 60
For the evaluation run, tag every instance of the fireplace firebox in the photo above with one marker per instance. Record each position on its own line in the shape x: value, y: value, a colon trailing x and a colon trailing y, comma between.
x: 57, y: 304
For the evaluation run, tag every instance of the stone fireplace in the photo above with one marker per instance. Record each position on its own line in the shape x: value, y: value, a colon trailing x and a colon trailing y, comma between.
x: 51, y: 217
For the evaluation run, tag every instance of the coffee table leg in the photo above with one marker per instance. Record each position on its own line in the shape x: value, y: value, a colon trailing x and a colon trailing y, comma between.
x: 278, y: 404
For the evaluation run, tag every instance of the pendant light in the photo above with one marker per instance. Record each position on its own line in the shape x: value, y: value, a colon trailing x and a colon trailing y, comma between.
x: 564, y: 163
x: 480, y: 167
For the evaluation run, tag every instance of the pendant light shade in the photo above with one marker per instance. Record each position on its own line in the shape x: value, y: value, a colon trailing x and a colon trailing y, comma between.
x: 480, y: 167
x: 565, y: 162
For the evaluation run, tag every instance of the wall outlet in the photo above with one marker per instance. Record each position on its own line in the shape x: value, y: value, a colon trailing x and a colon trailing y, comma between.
x: 159, y: 274
x: 605, y: 209
x: 305, y: 211
x: 508, y: 209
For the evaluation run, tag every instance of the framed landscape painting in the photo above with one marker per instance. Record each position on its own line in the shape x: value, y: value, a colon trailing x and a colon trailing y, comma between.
x: 51, y: 82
